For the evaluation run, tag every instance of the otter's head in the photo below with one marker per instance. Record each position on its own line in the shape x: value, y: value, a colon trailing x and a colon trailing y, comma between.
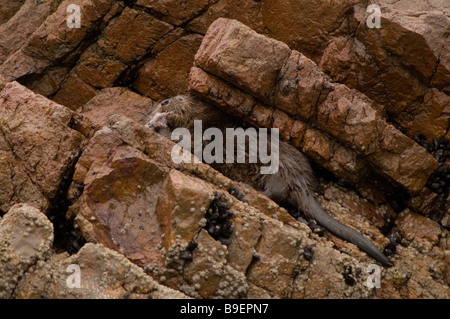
x: 181, y: 110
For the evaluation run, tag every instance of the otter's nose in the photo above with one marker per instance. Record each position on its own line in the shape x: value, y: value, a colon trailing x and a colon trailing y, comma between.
x: 165, y: 102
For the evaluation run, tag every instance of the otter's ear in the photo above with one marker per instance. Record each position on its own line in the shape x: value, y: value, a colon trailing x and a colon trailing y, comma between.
x: 165, y: 102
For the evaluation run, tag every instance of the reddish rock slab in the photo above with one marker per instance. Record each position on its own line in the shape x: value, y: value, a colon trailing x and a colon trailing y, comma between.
x: 8, y: 9
x: 40, y: 141
x: 53, y: 41
x: 117, y: 207
x: 249, y: 13
x: 19, y: 26
x: 295, y: 84
x: 176, y: 12
x: 166, y: 74
x: 308, y: 26
x: 241, y: 56
x: 117, y: 100
x: 74, y: 92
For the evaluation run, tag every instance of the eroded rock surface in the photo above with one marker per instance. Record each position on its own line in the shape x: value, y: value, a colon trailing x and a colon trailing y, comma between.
x: 26, y: 237
x: 403, y: 65
x: 371, y: 106
x: 295, y: 85
x: 103, y: 274
x: 39, y: 141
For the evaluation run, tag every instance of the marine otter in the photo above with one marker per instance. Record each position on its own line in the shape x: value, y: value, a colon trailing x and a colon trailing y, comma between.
x: 292, y: 184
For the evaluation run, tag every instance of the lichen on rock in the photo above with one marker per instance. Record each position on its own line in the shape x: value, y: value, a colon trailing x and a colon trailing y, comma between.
x: 368, y: 106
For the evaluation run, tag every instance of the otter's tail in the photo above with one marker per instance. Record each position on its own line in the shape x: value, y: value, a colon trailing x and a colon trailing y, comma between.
x: 345, y: 232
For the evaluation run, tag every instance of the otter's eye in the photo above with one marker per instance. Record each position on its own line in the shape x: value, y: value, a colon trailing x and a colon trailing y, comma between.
x: 164, y: 103
x: 180, y: 98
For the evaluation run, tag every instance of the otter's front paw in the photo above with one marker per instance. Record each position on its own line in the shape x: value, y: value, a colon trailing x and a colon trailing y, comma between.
x: 158, y: 121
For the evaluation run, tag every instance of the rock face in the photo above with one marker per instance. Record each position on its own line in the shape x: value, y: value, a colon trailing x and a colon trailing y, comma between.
x: 403, y: 65
x: 412, y: 62
x: 39, y: 141
x: 369, y: 106
x: 103, y: 274
x: 154, y: 220
x: 287, y: 81
x: 29, y: 269
x: 26, y: 238
x: 116, y: 100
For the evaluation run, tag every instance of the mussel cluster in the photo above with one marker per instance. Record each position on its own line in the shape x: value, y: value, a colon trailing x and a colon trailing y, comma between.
x: 218, y: 223
x: 67, y: 237
x: 439, y: 181
x: 236, y: 193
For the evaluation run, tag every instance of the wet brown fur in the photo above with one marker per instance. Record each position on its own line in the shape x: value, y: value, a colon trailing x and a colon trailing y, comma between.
x: 294, y: 182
